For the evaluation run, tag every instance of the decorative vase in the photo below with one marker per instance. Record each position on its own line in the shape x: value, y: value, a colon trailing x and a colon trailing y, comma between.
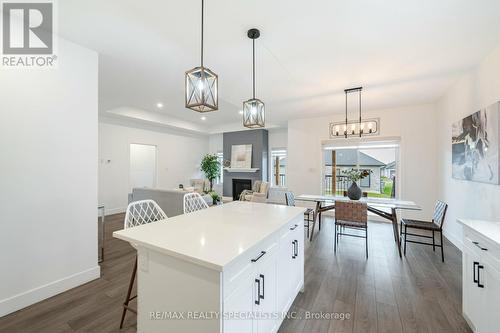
x: 354, y: 192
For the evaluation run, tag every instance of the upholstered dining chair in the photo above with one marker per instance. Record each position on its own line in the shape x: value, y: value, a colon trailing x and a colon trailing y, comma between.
x: 350, y: 215
x: 193, y: 202
x: 139, y: 213
x: 436, y: 225
x: 308, y: 214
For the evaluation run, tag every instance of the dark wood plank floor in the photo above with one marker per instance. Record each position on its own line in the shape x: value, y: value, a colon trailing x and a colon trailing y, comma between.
x: 381, y: 294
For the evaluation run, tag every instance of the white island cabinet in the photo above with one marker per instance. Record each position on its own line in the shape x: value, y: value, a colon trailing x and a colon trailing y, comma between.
x: 231, y: 268
x: 481, y: 274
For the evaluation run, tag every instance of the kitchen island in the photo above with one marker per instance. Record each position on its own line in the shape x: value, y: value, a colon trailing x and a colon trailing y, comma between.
x: 231, y: 268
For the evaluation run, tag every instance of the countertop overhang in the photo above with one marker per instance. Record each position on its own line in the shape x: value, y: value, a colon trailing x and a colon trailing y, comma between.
x: 489, y: 229
x: 215, y: 236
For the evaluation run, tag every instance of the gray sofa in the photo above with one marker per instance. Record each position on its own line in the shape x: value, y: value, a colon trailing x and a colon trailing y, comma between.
x: 171, y: 201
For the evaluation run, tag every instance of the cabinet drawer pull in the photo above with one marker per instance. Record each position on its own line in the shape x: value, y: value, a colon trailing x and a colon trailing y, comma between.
x: 296, y: 248
x: 479, y: 246
x: 293, y: 250
x: 474, y: 271
x: 257, y: 301
x: 263, y: 287
x: 478, y: 277
x: 294, y: 227
x: 260, y: 256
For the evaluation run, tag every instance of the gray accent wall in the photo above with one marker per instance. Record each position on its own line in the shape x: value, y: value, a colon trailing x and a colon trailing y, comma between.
x: 259, y: 140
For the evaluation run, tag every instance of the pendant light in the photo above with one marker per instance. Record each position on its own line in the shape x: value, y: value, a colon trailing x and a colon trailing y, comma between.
x: 201, y: 84
x: 359, y: 127
x: 253, y: 109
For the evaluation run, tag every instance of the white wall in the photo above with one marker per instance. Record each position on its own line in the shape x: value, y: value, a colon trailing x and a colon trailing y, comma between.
x: 278, y: 138
x: 475, y: 90
x: 416, y: 128
x: 48, y: 198
x: 215, y: 144
x: 179, y: 157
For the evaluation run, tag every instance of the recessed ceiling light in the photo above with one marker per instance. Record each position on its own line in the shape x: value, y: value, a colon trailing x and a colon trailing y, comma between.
x: 203, y: 118
x: 240, y: 112
x: 159, y: 105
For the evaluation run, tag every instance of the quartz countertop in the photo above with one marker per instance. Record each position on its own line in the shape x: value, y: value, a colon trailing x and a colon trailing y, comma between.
x: 215, y: 236
x: 489, y: 229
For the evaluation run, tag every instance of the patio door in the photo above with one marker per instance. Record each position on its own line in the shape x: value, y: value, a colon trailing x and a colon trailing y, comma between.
x: 380, y: 159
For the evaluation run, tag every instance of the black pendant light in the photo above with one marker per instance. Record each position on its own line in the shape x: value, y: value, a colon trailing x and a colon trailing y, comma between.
x: 253, y: 109
x: 201, y: 84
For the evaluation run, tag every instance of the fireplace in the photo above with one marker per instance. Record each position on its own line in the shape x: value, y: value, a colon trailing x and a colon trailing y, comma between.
x: 239, y: 185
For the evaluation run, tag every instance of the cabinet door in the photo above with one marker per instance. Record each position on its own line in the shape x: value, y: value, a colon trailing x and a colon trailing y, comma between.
x: 490, y: 278
x: 266, y: 309
x: 297, y: 269
x: 284, y: 270
x: 240, y: 303
x: 471, y: 292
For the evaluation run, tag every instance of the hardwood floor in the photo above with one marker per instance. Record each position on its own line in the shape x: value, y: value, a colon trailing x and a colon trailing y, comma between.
x: 381, y: 294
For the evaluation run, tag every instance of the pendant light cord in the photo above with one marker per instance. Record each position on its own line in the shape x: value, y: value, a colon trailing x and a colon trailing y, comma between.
x: 253, y: 70
x: 202, y: 7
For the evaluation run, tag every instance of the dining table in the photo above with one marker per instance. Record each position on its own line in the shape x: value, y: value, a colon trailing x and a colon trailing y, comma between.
x: 384, y: 207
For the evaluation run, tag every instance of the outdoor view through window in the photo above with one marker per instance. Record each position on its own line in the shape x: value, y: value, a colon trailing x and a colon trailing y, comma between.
x: 380, y: 161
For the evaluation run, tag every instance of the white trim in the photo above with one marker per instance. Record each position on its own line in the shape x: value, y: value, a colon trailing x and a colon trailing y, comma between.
x: 24, y: 299
x: 241, y: 169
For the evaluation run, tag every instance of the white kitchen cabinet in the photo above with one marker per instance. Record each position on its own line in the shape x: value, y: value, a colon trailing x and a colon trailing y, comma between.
x: 481, y: 275
x: 242, y: 262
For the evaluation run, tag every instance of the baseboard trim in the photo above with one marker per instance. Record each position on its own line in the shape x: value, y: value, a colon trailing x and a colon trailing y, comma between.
x: 24, y: 299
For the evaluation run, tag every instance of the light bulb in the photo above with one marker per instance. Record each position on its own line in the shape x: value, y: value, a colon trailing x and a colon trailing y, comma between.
x: 253, y: 110
x: 201, y: 85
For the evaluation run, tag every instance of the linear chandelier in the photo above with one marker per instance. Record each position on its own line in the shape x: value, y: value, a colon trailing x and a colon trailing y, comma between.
x: 351, y: 128
x: 201, y: 93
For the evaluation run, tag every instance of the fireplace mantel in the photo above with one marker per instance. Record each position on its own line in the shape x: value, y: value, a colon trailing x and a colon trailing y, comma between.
x: 241, y: 169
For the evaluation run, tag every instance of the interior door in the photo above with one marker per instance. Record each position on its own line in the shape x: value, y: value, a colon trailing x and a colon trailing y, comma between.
x: 142, y: 165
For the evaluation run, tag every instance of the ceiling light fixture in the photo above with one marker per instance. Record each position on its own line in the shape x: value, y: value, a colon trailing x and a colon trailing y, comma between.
x: 159, y: 105
x: 253, y: 109
x: 203, y: 118
x: 201, y: 84
x: 350, y: 128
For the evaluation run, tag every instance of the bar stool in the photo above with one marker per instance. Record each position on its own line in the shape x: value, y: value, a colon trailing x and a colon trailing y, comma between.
x: 308, y: 214
x: 139, y: 213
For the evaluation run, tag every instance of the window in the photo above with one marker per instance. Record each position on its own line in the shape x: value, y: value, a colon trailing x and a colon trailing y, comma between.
x: 380, y: 158
x: 220, y: 159
x: 278, y: 166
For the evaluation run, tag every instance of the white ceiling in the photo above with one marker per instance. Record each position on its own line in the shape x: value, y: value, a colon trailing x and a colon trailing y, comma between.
x: 401, y: 52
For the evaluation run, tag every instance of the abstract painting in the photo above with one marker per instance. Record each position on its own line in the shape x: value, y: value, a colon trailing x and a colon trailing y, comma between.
x: 241, y: 156
x: 475, y: 146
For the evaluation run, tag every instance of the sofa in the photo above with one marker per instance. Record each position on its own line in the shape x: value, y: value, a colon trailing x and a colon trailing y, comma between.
x: 171, y: 201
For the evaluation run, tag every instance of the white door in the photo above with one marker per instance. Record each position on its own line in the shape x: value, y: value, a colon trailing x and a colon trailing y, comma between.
x: 142, y: 165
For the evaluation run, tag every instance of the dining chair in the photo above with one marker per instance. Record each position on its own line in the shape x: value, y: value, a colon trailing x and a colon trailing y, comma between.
x: 436, y: 225
x: 139, y: 213
x: 308, y: 214
x: 193, y: 202
x: 351, y: 215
